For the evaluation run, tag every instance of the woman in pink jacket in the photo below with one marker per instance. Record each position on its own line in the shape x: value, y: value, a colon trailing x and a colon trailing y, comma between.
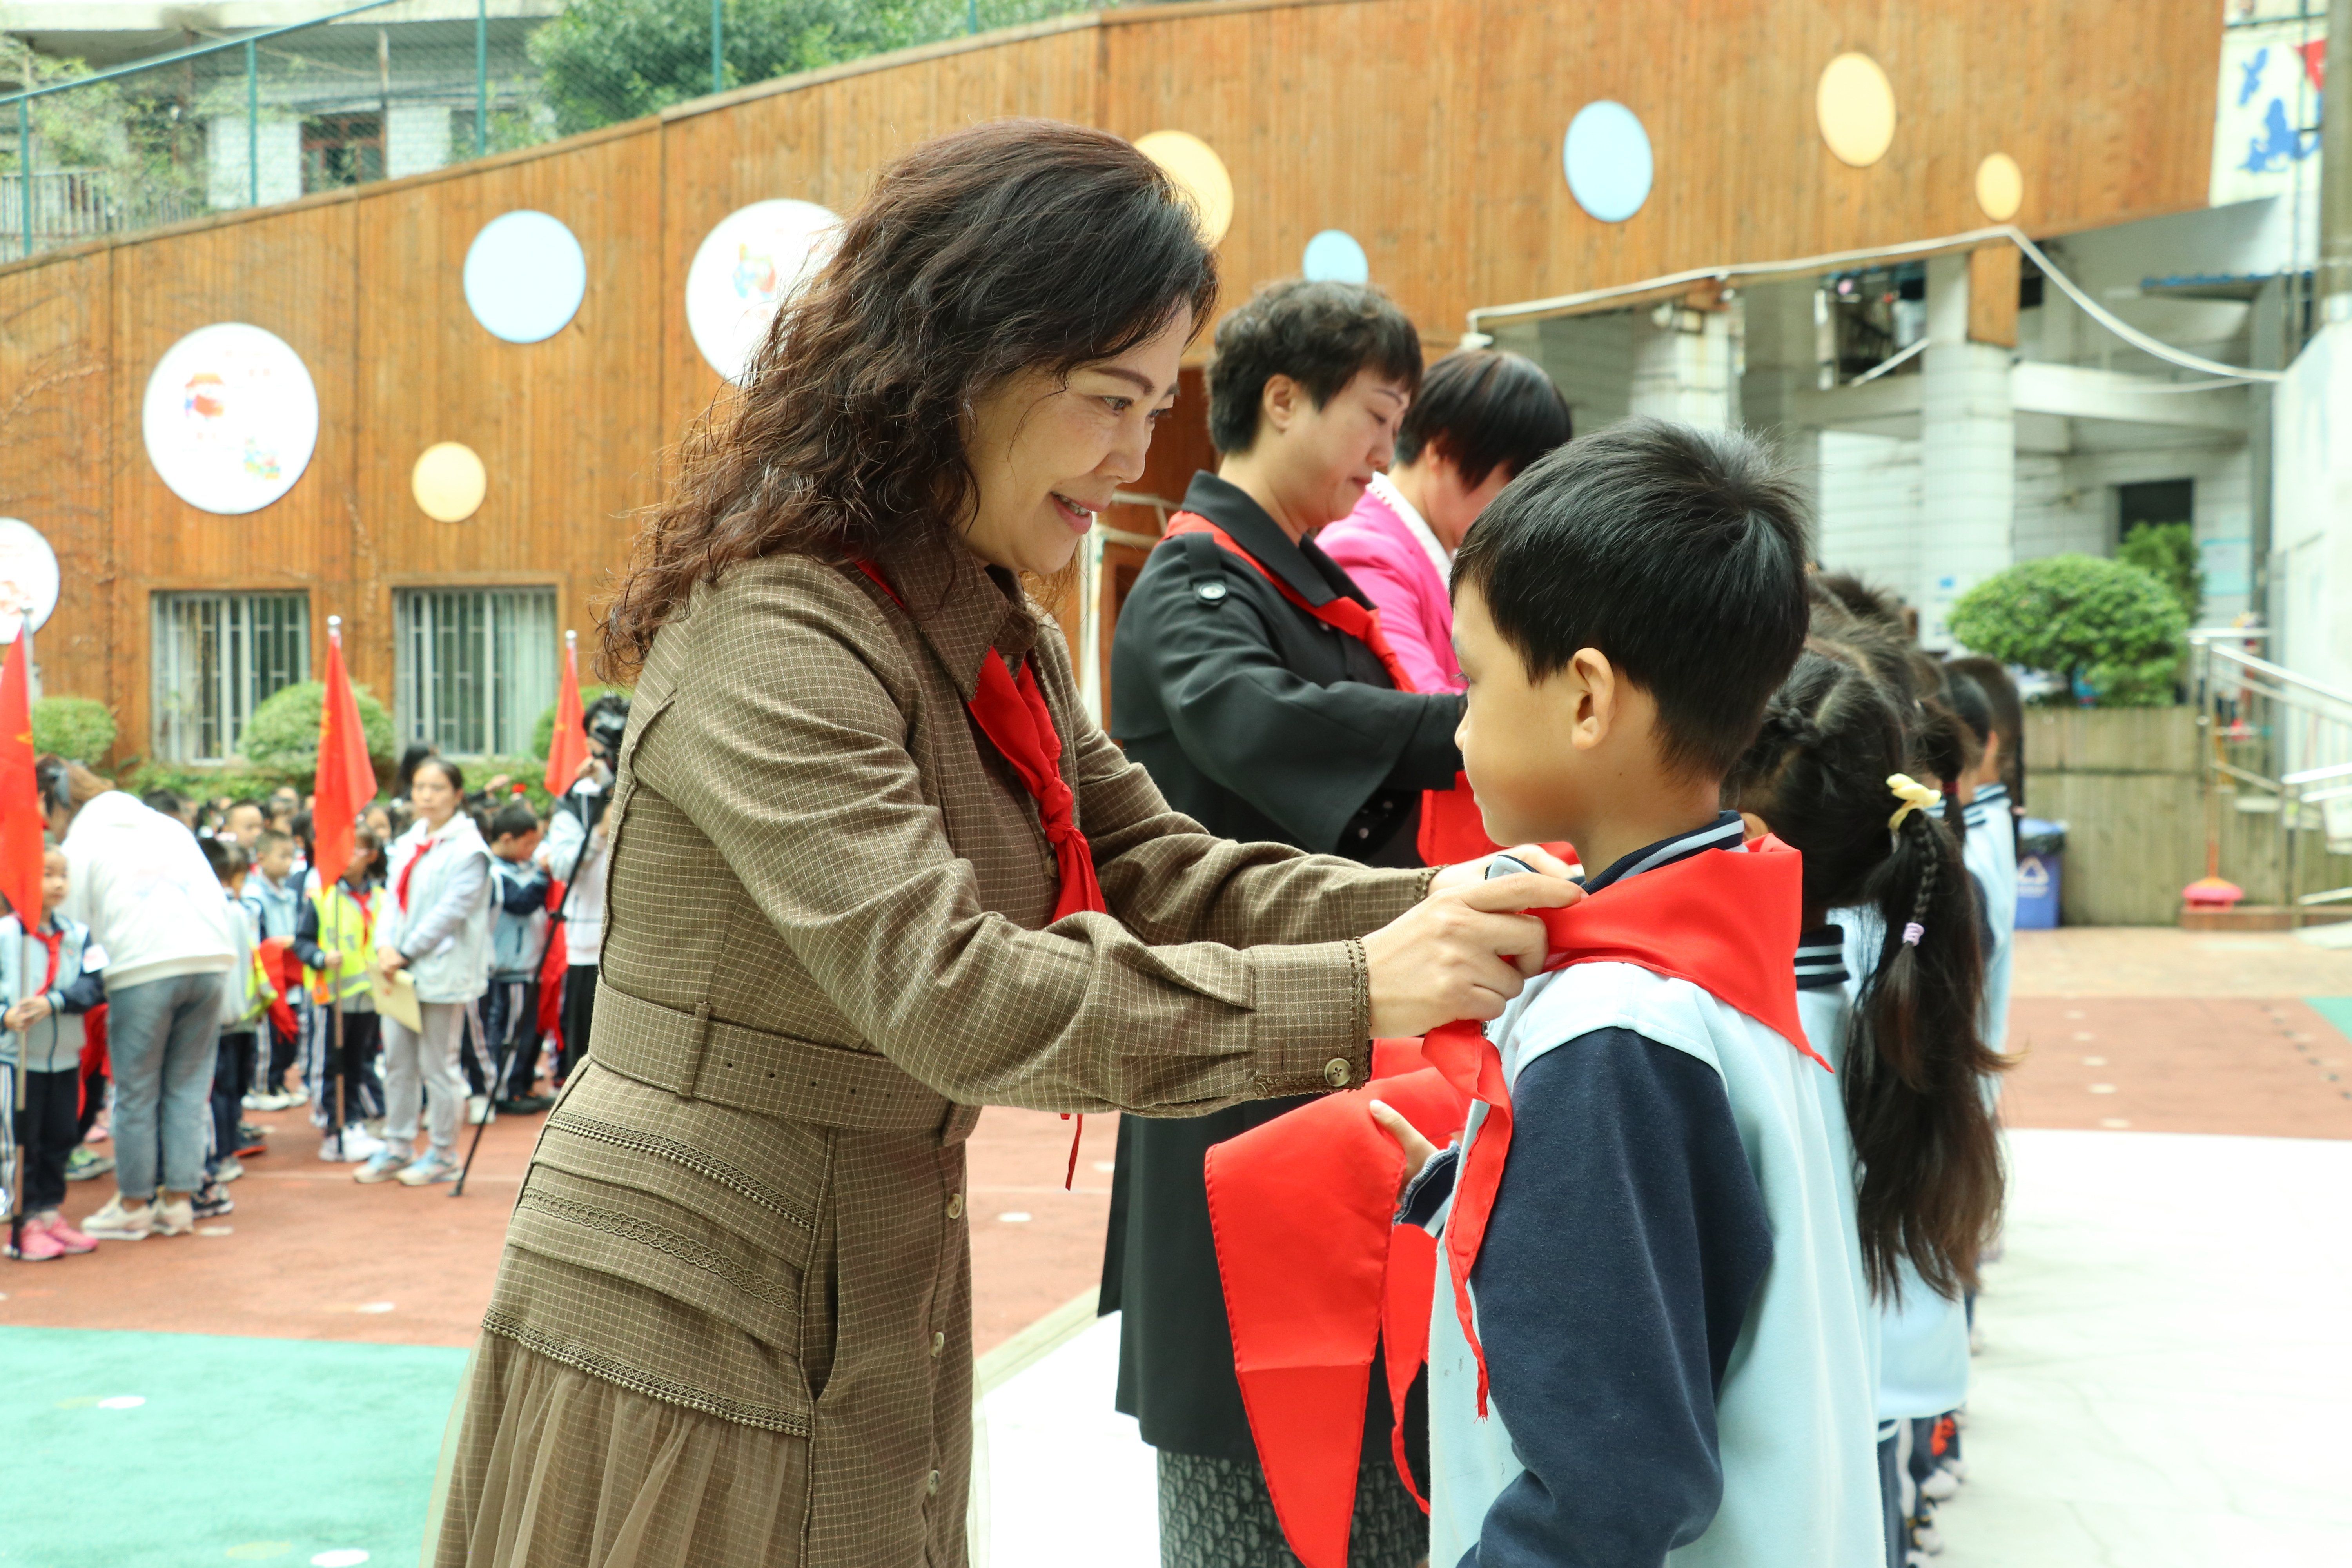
x: 1480, y: 417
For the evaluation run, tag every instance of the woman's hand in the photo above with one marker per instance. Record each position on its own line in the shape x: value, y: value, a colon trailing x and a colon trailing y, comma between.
x: 1461, y: 873
x: 26, y: 1014
x: 1461, y: 953
x: 1417, y: 1149
x: 390, y: 960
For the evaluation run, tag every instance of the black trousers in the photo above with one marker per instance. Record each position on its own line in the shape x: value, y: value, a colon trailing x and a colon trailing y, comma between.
x: 232, y: 1080
x: 579, y: 1014
x: 510, y: 1022
x: 47, y: 1132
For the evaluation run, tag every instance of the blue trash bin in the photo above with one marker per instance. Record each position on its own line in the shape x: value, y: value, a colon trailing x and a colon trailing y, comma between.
x: 2041, y: 851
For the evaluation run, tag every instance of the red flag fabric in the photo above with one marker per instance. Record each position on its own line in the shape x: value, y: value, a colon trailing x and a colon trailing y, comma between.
x: 1300, y: 1207
x: 568, y: 747
x: 346, y: 780
x: 22, y: 821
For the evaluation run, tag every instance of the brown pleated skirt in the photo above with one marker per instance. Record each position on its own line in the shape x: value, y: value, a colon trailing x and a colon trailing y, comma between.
x: 546, y: 1467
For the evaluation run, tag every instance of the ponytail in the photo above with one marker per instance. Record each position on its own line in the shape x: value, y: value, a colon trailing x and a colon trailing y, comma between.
x: 1931, y: 1181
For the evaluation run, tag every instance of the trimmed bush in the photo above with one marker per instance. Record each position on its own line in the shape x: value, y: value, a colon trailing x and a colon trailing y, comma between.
x: 282, y: 736
x: 2113, y: 632
x: 2169, y: 551
x: 78, y: 729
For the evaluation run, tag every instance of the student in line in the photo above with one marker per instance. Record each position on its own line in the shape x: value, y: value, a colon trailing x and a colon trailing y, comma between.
x: 517, y: 943
x: 49, y: 978
x: 1668, y: 1186
x: 335, y: 939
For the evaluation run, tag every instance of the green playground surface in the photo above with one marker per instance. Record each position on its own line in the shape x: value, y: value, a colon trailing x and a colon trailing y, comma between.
x: 127, y: 1450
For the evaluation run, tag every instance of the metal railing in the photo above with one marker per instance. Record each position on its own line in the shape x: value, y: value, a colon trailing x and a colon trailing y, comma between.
x: 2277, y: 763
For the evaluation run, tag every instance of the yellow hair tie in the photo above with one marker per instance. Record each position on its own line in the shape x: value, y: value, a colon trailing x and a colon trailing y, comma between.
x: 1914, y: 796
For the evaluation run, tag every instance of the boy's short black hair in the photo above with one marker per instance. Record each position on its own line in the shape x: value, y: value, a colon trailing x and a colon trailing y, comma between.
x: 1319, y: 335
x: 1678, y: 553
x: 271, y: 837
x: 224, y: 856
x: 1485, y: 409
x: 162, y: 800
x: 513, y: 820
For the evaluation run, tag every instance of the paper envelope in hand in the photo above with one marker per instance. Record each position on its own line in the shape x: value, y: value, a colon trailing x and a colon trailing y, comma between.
x: 395, y: 998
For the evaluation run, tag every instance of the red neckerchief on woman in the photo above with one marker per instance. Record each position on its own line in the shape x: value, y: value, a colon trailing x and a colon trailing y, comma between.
x: 1011, y: 712
x: 408, y: 869
x: 1451, y: 827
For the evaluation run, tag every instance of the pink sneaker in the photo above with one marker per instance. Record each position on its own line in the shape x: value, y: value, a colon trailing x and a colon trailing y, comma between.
x: 39, y: 1246
x: 66, y: 1237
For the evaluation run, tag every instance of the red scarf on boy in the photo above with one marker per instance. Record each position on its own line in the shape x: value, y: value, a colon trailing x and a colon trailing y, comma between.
x: 1316, y: 1273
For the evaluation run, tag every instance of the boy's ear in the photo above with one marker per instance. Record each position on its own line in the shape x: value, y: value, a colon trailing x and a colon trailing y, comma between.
x: 1596, y: 690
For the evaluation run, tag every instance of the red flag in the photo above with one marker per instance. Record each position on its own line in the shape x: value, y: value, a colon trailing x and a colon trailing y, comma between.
x: 346, y: 778
x: 568, y: 747
x: 21, y: 819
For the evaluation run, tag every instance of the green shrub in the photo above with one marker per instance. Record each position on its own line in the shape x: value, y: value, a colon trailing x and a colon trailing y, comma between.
x: 2169, y: 551
x: 2110, y: 630
x: 282, y: 736
x: 80, y: 728
x: 237, y: 781
x: 543, y: 734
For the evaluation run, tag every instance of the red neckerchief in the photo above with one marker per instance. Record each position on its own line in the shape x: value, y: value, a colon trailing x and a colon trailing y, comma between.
x: 1011, y: 712
x: 1451, y: 826
x: 52, y: 940
x: 1316, y: 1273
x: 400, y: 885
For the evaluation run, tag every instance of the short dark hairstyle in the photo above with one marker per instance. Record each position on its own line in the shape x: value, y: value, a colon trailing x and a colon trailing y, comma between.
x: 442, y: 766
x: 1679, y: 553
x: 162, y: 800
x: 513, y: 820
x: 1484, y: 409
x: 271, y: 837
x: 237, y: 805
x: 1319, y: 334
x: 224, y: 856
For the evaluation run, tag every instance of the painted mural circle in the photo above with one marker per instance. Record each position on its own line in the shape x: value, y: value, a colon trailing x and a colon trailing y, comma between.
x: 525, y: 276
x: 448, y: 481
x: 1607, y: 157
x: 1854, y: 104
x: 230, y: 418
x: 1334, y: 257
x: 2000, y: 187
x: 748, y: 265
x: 1199, y: 173
x: 28, y: 578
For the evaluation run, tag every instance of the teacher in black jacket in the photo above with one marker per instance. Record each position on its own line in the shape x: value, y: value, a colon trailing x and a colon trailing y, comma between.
x: 1240, y: 679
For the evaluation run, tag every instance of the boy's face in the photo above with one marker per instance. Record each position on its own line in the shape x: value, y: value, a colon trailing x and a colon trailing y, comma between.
x: 245, y: 823
x: 278, y: 861
x: 53, y: 879
x: 516, y: 847
x: 1544, y: 755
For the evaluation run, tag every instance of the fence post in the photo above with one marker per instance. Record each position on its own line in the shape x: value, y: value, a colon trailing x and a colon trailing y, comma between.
x: 25, y: 167
x: 252, y: 126
x: 972, y: 16
x: 481, y: 78
x: 718, y: 56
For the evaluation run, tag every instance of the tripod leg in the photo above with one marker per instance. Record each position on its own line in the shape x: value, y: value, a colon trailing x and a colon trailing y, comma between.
x: 497, y: 1081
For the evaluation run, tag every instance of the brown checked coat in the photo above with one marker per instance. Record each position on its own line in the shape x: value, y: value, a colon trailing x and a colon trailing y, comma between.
x: 732, y: 1324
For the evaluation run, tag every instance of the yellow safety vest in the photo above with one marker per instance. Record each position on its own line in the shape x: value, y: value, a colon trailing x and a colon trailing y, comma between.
x: 346, y: 927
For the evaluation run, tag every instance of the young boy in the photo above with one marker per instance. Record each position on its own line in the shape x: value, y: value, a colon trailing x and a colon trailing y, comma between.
x: 245, y: 995
x: 49, y: 977
x: 273, y: 895
x: 335, y: 938
x: 1669, y: 1307
x: 517, y: 943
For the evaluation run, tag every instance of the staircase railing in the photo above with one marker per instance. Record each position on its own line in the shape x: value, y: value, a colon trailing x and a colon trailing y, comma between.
x: 2277, y: 746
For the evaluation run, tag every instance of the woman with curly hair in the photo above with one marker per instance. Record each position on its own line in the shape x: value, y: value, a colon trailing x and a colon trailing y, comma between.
x: 873, y: 867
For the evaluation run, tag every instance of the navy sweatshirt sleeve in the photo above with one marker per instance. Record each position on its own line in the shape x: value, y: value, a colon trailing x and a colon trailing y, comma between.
x: 305, y: 937
x: 87, y: 992
x: 1626, y: 1241
x: 522, y: 895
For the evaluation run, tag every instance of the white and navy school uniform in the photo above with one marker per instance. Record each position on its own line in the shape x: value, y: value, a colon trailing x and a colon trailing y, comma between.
x: 1669, y: 1293
x: 1989, y: 852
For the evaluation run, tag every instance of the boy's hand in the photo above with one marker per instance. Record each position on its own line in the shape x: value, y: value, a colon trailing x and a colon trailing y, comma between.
x: 25, y: 1013
x: 1417, y: 1149
x: 1461, y: 953
x: 330, y: 959
x: 1461, y: 873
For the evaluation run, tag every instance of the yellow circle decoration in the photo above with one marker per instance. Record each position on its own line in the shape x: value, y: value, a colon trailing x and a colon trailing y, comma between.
x: 1199, y: 173
x: 448, y: 483
x: 2000, y: 187
x: 1856, y: 106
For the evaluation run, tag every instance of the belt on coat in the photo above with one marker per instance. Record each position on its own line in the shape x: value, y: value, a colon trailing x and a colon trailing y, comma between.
x: 696, y: 1057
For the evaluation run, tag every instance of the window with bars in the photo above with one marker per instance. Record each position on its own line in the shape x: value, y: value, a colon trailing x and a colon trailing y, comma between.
x: 216, y: 657
x: 477, y: 667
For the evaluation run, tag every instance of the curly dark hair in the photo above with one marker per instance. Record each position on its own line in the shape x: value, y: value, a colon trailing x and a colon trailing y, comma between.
x: 1012, y: 246
x: 1319, y: 334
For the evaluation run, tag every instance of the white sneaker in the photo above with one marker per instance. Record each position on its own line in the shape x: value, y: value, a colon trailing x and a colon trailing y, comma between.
x: 258, y: 1100
x: 428, y: 1169
x: 477, y: 1110
x: 228, y: 1170
x: 115, y: 1223
x: 1941, y: 1487
x: 381, y: 1166
x: 349, y: 1147
x: 1928, y: 1539
x: 173, y: 1219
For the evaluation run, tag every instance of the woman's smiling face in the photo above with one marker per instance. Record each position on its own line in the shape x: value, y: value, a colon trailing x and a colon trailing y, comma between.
x: 1048, y: 452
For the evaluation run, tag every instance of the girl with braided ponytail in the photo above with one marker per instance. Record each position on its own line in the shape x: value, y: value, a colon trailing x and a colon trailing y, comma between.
x: 1827, y: 774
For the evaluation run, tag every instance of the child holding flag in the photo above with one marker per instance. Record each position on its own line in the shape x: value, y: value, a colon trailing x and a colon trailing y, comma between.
x: 49, y: 977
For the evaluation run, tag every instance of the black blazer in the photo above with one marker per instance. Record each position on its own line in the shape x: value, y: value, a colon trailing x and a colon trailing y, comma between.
x: 1260, y: 722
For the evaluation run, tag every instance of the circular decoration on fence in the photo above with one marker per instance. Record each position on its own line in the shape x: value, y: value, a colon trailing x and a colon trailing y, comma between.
x: 448, y: 483
x: 2000, y: 187
x: 1199, y: 173
x: 1608, y: 161
x: 525, y: 276
x: 28, y: 578
x: 752, y: 261
x: 1856, y: 105
x: 230, y: 418
x: 1334, y: 257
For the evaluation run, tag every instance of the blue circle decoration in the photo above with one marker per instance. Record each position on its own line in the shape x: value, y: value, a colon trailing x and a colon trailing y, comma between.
x: 525, y: 276
x: 1334, y: 257
x: 1607, y: 157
